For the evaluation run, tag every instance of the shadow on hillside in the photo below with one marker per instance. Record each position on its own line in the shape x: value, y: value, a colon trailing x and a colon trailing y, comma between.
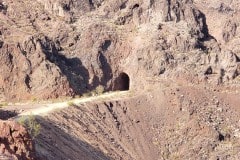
x: 106, y: 68
x: 55, y: 143
x: 5, y: 115
x: 72, y: 68
x: 76, y: 73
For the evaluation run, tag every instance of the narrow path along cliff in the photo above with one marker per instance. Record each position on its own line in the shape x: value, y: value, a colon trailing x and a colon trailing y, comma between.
x: 43, y: 109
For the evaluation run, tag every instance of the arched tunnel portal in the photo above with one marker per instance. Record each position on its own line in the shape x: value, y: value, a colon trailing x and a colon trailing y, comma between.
x: 122, y: 82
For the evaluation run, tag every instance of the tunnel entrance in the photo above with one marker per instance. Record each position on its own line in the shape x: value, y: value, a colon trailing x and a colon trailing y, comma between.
x: 122, y: 83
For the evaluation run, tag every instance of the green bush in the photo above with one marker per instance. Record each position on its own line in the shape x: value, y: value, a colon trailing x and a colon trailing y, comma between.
x: 34, y: 99
x: 30, y: 123
x: 99, y: 90
x: 87, y: 94
x: 3, y: 104
x: 70, y: 103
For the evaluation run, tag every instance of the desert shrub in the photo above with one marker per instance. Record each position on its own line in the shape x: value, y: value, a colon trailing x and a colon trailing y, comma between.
x: 70, y: 103
x: 99, y: 89
x: 34, y: 99
x: 30, y: 123
x: 77, y: 96
x: 87, y: 94
x: 3, y: 104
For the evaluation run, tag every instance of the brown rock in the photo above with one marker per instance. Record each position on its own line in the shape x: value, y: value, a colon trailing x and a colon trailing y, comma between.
x: 15, y: 142
x: 64, y: 48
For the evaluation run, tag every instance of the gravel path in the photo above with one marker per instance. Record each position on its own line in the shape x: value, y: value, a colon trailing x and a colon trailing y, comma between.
x: 49, y: 107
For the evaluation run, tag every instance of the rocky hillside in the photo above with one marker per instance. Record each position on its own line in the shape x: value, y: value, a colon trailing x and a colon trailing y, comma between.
x: 179, y: 58
x: 15, y: 142
x: 174, y: 123
x: 55, y: 48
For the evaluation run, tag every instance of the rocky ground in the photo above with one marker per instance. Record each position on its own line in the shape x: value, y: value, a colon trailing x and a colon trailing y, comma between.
x: 179, y: 58
x: 182, y: 122
x: 15, y: 142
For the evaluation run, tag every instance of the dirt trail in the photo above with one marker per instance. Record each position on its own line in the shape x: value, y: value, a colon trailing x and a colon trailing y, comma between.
x: 43, y: 109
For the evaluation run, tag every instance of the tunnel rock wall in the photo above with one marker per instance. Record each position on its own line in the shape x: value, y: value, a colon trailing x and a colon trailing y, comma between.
x: 66, y: 48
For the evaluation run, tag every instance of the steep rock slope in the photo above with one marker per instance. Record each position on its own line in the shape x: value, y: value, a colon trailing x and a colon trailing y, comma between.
x: 64, y: 48
x: 181, y: 122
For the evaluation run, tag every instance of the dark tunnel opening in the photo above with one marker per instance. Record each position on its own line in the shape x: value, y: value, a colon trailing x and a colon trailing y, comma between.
x: 122, y: 83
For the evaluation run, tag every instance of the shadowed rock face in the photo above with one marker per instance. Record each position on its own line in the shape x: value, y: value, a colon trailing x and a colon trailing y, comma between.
x: 63, y: 48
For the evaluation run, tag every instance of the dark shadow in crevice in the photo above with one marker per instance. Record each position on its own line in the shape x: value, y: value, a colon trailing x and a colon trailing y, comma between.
x: 5, y: 114
x: 207, y: 36
x: 201, y: 46
x: 66, y: 7
x: 1, y: 43
x: 123, y: 5
x: 91, y: 3
x: 106, y: 68
x: 104, y: 62
x: 135, y: 6
x: 27, y: 81
x: 95, y: 82
x: 72, y: 68
x: 221, y: 137
x: 237, y: 58
x: 106, y: 45
x: 209, y: 71
x: 54, y: 142
x: 204, y: 30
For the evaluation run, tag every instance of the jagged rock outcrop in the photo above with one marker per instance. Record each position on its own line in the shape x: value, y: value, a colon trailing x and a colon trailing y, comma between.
x: 64, y: 48
x: 15, y: 142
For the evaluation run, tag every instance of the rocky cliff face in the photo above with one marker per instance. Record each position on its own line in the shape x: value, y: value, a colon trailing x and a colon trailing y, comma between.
x: 64, y: 47
x: 15, y: 142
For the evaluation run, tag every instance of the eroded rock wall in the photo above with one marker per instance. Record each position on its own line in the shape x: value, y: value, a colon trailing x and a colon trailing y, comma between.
x: 63, y: 48
x: 15, y: 142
